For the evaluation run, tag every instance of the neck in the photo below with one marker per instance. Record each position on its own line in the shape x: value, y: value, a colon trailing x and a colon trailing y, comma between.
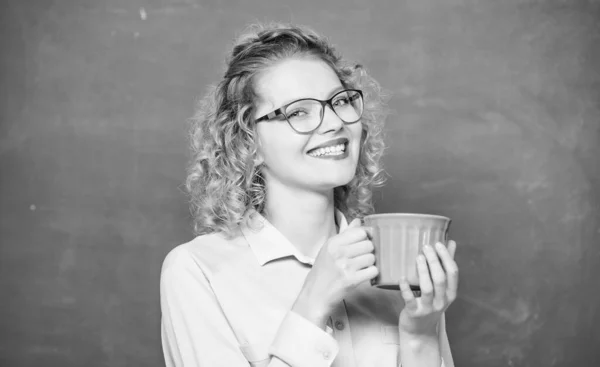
x: 305, y: 218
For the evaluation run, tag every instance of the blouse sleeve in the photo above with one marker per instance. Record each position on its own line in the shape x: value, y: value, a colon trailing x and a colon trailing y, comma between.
x: 196, y: 333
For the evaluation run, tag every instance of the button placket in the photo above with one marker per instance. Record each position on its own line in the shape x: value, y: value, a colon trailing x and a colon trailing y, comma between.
x: 341, y: 332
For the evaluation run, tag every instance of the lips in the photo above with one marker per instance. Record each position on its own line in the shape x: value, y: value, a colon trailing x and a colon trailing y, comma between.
x: 339, y: 144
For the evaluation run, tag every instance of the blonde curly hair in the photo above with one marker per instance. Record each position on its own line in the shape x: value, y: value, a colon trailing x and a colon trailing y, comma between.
x: 224, y: 177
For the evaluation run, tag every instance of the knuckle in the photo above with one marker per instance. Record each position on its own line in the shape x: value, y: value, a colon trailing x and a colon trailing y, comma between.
x: 348, y: 281
x: 439, y: 280
x: 354, y: 232
x: 335, y: 251
x: 427, y: 289
x: 453, y: 271
x: 343, y: 251
x: 341, y: 264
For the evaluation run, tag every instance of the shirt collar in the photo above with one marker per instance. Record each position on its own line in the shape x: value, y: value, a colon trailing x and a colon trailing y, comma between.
x: 269, y: 244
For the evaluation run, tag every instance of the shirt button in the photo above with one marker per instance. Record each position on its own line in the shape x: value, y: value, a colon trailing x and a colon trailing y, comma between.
x: 339, y: 325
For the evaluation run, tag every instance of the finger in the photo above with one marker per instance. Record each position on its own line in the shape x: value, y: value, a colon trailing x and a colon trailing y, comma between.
x: 451, y: 269
x: 452, y: 248
x: 438, y: 276
x: 407, y: 294
x: 362, y: 261
x: 432, y: 258
x: 424, y: 280
x: 359, y: 248
x: 443, y: 253
x: 366, y: 274
x: 351, y: 235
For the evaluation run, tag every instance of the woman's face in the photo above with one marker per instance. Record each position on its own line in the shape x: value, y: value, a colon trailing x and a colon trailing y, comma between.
x: 287, y: 155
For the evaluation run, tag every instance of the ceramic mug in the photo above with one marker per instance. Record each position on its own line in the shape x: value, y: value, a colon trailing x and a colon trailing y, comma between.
x: 398, y: 238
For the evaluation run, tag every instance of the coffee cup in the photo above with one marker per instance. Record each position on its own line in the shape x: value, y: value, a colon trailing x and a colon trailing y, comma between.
x: 398, y: 238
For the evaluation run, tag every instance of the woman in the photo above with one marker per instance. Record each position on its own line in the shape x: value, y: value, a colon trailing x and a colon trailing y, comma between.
x: 286, y: 150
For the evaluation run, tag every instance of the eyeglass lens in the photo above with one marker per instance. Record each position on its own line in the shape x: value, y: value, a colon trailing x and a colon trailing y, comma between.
x: 305, y: 115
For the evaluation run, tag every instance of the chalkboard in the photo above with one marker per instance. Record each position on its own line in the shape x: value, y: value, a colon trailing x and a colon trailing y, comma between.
x: 495, y: 122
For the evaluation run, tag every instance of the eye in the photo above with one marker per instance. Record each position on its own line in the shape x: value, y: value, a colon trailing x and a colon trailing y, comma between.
x: 296, y: 113
x: 342, y: 101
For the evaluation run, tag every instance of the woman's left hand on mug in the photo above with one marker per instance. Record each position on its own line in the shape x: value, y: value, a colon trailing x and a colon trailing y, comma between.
x: 438, y: 279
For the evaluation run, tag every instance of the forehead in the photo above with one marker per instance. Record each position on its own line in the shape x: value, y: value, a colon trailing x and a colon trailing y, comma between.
x: 293, y: 79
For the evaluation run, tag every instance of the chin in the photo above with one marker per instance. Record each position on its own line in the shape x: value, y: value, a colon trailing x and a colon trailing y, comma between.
x: 337, y: 182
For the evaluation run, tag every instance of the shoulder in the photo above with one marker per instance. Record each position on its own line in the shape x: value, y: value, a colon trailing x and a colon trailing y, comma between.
x: 204, y: 254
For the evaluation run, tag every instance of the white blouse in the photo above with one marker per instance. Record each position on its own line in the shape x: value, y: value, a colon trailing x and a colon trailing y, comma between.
x: 227, y: 303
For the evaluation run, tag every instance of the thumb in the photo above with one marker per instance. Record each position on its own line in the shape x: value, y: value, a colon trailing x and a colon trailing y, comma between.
x: 356, y: 222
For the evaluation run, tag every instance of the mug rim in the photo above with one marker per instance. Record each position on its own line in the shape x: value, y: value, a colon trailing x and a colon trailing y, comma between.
x: 405, y: 215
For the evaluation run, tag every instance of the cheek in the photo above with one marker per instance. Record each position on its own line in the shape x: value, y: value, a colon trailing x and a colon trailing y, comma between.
x: 277, y: 147
x: 274, y: 153
x: 357, y: 134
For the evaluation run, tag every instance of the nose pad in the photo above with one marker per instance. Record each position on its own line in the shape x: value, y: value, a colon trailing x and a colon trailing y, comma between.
x: 331, y: 121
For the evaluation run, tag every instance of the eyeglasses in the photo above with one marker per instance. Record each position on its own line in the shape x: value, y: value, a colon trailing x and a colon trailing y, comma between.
x: 306, y: 115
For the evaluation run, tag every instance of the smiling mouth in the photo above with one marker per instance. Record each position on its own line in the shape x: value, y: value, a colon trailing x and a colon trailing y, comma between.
x: 332, y: 150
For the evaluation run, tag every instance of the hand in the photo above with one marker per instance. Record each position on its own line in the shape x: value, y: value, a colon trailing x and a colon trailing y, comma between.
x: 439, y: 284
x: 345, y: 261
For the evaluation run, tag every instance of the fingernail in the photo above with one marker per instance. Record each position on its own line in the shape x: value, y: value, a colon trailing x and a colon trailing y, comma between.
x: 428, y: 247
x: 439, y: 245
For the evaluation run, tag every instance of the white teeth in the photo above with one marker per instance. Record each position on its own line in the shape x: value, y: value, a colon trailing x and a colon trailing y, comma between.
x: 331, y: 150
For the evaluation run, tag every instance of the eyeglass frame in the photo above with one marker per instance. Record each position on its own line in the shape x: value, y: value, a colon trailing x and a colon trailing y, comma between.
x: 280, y: 111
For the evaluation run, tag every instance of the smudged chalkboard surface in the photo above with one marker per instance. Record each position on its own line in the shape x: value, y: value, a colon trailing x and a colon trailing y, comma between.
x: 495, y: 122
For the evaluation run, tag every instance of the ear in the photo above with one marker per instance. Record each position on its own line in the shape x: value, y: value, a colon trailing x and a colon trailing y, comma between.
x: 258, y: 157
x: 258, y: 160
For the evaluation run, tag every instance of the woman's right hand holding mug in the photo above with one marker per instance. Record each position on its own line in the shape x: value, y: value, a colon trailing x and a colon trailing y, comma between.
x: 345, y: 261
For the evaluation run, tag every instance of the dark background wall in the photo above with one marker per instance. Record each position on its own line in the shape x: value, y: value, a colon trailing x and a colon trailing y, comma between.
x: 495, y: 123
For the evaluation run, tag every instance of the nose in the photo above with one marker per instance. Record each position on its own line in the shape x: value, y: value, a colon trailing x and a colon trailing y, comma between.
x: 331, y: 121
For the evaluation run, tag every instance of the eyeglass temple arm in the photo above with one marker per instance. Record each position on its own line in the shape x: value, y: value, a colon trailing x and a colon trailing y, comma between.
x: 270, y: 115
